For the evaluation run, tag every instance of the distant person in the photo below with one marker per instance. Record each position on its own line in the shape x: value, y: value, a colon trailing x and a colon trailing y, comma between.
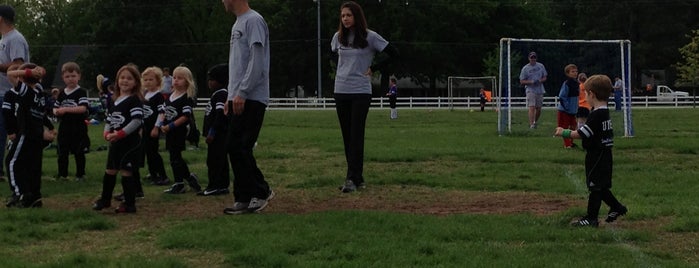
x: 649, y: 90
x: 122, y: 131
x: 482, y: 98
x: 618, y: 93
x: 583, y: 105
x: 532, y: 76
x: 356, y: 46
x: 597, y: 139
x: 28, y: 128
x: 71, y: 107
x: 214, y: 129
x: 392, y: 97
x: 568, y: 102
x: 167, y: 82
x: 14, y: 50
x: 248, y: 97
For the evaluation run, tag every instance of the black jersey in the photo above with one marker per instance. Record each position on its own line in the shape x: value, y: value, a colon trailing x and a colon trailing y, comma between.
x: 121, y: 111
x: 598, y: 139
x: 77, y: 97
x: 150, y: 109
x: 31, y: 112
x: 9, y: 111
x: 214, y: 118
x: 174, y: 108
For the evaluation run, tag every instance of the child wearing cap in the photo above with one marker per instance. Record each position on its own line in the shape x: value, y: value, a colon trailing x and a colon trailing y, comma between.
x: 214, y: 129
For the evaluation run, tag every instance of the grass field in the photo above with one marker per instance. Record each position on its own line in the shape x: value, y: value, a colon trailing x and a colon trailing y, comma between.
x: 443, y: 191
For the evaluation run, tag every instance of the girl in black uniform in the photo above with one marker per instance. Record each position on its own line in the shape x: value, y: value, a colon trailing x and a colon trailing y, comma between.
x: 27, y: 130
x: 175, y: 114
x: 124, y: 120
x: 152, y: 82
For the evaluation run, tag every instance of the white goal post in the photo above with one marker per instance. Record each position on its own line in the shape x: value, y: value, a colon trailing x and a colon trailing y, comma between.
x: 508, y: 82
x: 456, y: 82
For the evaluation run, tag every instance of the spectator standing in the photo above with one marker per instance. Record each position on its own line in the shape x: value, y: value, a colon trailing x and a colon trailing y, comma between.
x: 248, y: 97
x: 533, y: 76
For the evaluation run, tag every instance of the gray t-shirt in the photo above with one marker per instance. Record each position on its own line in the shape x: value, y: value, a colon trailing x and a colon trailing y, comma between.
x: 533, y: 72
x: 12, y: 46
x: 353, y: 63
x: 248, y: 61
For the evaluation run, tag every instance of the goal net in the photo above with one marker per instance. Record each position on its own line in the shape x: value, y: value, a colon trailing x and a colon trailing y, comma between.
x: 464, y: 91
x: 608, y: 57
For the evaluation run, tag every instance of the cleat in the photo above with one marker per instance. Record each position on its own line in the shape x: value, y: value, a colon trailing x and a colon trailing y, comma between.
x: 614, y: 214
x: 123, y: 208
x: 586, y: 222
x: 101, y: 204
x: 177, y: 188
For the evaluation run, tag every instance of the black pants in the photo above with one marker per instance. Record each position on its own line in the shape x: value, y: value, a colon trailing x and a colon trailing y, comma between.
x: 217, y: 162
x: 392, y: 101
x: 72, y: 142
x: 597, y: 196
x: 24, y: 161
x: 180, y: 170
x: 248, y: 181
x: 352, y: 110
x: 156, y: 167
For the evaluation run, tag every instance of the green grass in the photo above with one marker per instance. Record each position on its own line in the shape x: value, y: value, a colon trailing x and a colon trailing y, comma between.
x: 422, y: 160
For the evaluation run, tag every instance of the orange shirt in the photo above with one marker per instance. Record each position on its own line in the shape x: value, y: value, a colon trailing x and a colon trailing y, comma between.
x: 582, y: 102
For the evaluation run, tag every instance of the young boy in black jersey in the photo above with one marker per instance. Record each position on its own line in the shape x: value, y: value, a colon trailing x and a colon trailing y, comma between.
x: 597, y: 140
x: 71, y: 108
x: 27, y: 128
x: 214, y: 130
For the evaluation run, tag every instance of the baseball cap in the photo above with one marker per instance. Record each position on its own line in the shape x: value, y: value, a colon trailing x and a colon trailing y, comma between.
x: 532, y: 54
x: 7, y: 13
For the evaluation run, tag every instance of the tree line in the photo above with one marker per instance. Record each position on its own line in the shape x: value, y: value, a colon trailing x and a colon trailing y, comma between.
x: 436, y: 38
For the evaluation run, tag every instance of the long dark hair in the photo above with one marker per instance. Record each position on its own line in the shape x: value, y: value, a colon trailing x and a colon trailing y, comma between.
x: 360, y: 27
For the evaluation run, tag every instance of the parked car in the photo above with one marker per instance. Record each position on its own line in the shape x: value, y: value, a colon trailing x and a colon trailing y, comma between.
x: 665, y: 93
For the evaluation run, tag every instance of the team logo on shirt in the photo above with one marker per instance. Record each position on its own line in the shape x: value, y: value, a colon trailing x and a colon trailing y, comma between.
x: 116, y: 120
x: 170, y: 113
x: 147, y: 111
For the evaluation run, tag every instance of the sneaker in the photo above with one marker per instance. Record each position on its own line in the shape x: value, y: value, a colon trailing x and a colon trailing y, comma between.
x: 123, y: 208
x: 193, y: 182
x: 28, y: 201
x: 210, y: 192
x: 613, y: 214
x: 101, y: 204
x: 13, y: 201
x: 238, y: 208
x: 161, y: 182
x: 80, y: 179
x: 177, y: 188
x: 257, y: 204
x: 120, y: 197
x: 348, y: 187
x: 585, y: 221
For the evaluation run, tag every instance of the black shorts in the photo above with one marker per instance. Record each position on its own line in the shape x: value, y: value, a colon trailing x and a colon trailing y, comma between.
x: 582, y: 112
x: 125, y: 154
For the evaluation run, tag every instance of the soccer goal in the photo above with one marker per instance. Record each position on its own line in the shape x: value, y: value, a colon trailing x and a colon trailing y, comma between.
x: 608, y: 57
x: 464, y: 90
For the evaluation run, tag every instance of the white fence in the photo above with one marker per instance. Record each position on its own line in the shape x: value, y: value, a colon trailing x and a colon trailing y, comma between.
x: 458, y: 103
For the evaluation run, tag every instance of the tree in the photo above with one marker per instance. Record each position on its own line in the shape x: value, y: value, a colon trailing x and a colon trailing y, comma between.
x: 688, y: 68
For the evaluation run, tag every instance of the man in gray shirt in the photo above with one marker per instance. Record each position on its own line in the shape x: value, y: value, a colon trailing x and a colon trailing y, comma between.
x: 248, y: 96
x: 532, y: 76
x: 14, y: 50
